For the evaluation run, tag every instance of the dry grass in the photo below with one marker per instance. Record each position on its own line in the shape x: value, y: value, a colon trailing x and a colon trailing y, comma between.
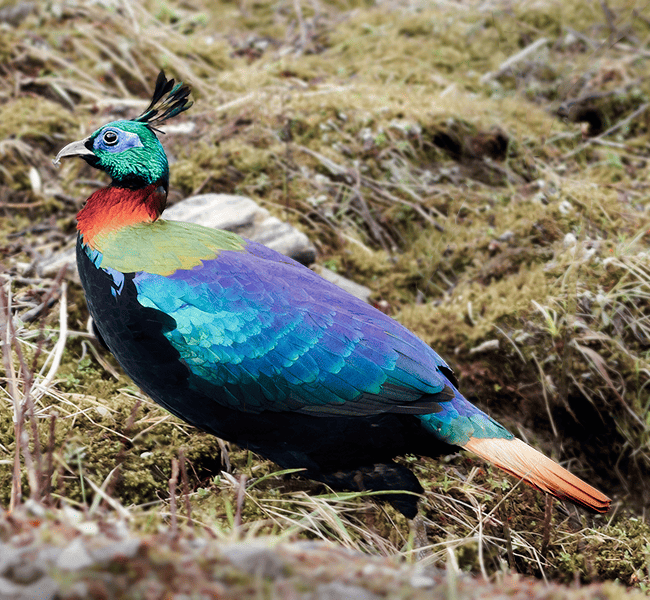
x: 421, y: 149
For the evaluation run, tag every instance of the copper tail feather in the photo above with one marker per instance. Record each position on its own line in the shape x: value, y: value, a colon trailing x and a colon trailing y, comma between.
x: 519, y: 459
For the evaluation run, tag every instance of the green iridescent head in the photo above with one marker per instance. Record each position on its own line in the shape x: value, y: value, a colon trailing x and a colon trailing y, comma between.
x: 129, y: 151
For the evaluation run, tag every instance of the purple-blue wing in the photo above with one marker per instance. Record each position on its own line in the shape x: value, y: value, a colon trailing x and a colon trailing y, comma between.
x: 259, y: 331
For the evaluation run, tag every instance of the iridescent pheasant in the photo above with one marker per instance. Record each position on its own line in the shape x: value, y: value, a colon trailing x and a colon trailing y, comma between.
x: 249, y: 345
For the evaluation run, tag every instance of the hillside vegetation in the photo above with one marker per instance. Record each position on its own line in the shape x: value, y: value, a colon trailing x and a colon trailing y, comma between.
x: 483, y: 167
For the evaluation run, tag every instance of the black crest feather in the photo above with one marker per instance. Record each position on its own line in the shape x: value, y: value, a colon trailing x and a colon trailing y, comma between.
x: 168, y: 100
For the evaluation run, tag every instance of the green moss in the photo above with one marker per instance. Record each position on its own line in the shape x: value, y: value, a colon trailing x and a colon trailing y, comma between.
x: 449, y: 192
x: 33, y: 118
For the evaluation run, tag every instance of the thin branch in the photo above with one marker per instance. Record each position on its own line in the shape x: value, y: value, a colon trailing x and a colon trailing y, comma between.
x: 42, y: 386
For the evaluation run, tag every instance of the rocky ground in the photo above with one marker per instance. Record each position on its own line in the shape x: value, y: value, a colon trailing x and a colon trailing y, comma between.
x: 479, y: 169
x: 68, y: 556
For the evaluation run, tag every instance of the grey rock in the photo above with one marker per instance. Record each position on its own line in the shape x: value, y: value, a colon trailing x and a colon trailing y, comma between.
x: 34, y: 508
x: 24, y: 572
x: 47, y: 555
x: 219, y: 211
x: 569, y: 240
x: 15, y: 14
x: 360, y: 291
x: 74, y: 557
x: 487, y: 346
x: 256, y: 559
x: 79, y: 589
x: 422, y: 581
x: 9, y: 558
x: 341, y: 591
x: 43, y: 589
x: 109, y: 552
x: 243, y: 216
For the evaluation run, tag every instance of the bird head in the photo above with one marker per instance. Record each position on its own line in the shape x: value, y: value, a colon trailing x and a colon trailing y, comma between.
x: 129, y: 151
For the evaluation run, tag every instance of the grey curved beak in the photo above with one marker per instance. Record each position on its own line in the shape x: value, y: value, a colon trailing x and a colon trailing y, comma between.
x: 73, y: 149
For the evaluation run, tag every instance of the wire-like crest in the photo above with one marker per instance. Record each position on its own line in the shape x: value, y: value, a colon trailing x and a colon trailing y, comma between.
x: 168, y: 100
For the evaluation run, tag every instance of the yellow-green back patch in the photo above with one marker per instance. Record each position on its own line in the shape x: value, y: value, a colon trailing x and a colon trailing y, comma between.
x: 163, y: 247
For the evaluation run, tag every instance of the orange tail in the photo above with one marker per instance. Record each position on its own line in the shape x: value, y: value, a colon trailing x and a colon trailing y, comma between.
x: 519, y: 459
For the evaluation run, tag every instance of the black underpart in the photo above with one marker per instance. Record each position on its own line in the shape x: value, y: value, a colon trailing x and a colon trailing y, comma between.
x: 98, y: 336
x: 344, y: 452
x: 378, y: 477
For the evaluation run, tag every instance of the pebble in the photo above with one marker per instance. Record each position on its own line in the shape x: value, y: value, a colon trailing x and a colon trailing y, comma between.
x: 74, y: 557
x: 9, y: 557
x: 488, y: 346
x: 43, y: 589
x: 124, y: 549
x: 15, y: 13
x: 406, y: 127
x: 34, y: 508
x: 256, y: 559
x: 24, y: 573
x: 341, y: 591
x: 570, y: 240
x: 356, y: 289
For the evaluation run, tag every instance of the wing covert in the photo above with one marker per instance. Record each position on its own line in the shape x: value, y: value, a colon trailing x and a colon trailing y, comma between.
x: 261, y: 332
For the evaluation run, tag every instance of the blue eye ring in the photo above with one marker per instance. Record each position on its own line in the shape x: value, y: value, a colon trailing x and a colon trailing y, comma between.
x: 110, y: 138
x: 116, y: 140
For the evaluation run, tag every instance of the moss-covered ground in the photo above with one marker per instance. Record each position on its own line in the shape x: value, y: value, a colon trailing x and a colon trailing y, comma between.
x: 483, y: 167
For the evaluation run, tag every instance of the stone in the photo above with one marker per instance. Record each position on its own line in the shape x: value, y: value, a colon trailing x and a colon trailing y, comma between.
x: 356, y: 289
x: 246, y: 218
x: 123, y: 549
x: 15, y: 14
x: 8, y: 556
x: 24, y: 572
x: 488, y: 346
x: 256, y: 559
x: 43, y: 589
x: 570, y: 240
x: 340, y: 591
x: 422, y: 581
x: 74, y: 557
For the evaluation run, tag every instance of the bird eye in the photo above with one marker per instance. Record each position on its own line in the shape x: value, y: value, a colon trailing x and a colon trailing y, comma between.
x: 110, y: 138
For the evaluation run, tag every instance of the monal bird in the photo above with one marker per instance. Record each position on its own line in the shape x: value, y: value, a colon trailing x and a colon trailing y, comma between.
x: 253, y: 347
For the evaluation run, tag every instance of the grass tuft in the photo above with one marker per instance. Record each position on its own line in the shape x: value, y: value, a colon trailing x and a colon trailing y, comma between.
x: 483, y: 168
